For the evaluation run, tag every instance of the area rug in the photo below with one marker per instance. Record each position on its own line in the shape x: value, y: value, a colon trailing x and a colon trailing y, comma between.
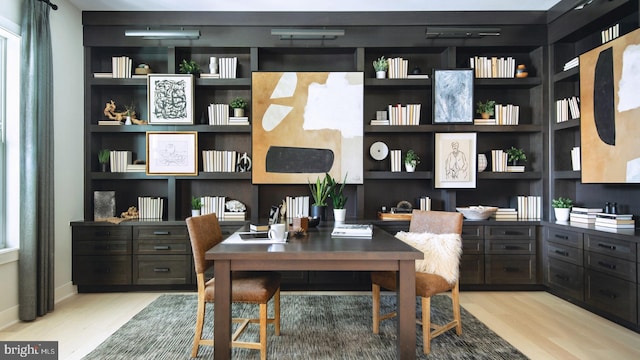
x: 313, y: 327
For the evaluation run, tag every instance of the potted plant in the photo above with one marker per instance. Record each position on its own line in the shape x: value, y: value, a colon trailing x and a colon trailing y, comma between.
x: 320, y: 192
x: 486, y: 109
x: 196, y: 205
x: 189, y: 67
x: 411, y: 159
x: 130, y: 113
x: 562, y: 208
x: 380, y: 66
x: 238, y: 104
x: 516, y: 155
x: 338, y: 199
x: 103, y: 159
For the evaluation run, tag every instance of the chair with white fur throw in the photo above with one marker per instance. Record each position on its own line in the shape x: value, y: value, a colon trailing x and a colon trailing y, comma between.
x: 438, y: 235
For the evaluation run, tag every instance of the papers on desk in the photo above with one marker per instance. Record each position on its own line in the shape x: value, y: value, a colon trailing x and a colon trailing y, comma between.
x: 353, y: 231
x: 252, y: 237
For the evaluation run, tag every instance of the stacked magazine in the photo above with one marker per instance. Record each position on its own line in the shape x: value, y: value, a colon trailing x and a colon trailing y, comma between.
x: 353, y: 230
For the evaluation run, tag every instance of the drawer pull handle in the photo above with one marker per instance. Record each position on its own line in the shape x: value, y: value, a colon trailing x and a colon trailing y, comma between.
x: 608, y: 294
x: 103, y: 233
x: 563, y: 237
x: 607, y: 265
x: 161, y: 247
x: 507, y: 232
x: 563, y: 277
x: 607, y: 246
x: 102, y: 270
x: 563, y: 253
x: 511, y: 269
x: 161, y: 233
x: 163, y: 270
x: 511, y: 247
x: 102, y: 247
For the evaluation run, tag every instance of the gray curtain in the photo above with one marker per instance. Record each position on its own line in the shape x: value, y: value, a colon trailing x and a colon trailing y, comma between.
x: 36, y: 280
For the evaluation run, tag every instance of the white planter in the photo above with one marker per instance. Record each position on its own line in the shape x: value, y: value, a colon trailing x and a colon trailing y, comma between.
x: 381, y: 74
x: 238, y: 112
x: 339, y: 215
x: 410, y: 167
x: 562, y: 214
x: 195, y: 212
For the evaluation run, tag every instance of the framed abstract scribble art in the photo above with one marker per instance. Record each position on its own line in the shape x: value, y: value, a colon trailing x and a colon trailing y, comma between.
x: 170, y: 99
x: 172, y: 153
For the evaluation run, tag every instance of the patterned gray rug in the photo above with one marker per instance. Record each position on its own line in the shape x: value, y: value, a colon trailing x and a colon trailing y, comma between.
x: 313, y: 327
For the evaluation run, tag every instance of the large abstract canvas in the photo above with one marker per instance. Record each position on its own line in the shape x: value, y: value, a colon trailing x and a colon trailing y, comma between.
x: 610, y: 111
x: 453, y: 96
x: 305, y: 124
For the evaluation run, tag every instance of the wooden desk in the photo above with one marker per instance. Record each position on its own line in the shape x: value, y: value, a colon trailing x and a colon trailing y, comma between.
x: 318, y: 251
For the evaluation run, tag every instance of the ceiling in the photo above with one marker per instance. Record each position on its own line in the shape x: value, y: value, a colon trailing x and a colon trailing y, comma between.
x: 300, y: 5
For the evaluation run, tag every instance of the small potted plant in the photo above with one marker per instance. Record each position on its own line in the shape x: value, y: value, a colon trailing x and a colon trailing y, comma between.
x: 320, y: 192
x: 486, y: 109
x: 380, y: 66
x: 196, y: 205
x: 238, y: 104
x: 103, y: 159
x: 515, y: 156
x: 562, y: 208
x: 411, y: 159
x: 189, y: 67
x: 338, y: 199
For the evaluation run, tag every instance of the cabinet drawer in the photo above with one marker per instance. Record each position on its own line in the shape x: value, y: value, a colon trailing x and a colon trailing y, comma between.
x: 102, y: 247
x: 564, y: 253
x: 472, y: 269
x: 160, y: 232
x: 96, y: 233
x: 510, y: 269
x: 472, y: 246
x: 566, y: 278
x: 102, y: 270
x: 162, y: 269
x: 514, y: 232
x: 613, y: 266
x: 509, y: 247
x: 612, y: 295
x: 472, y: 232
x: 565, y: 237
x: 161, y: 246
x: 613, y: 247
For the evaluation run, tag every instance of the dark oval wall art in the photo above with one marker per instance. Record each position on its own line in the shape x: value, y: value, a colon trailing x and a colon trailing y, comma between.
x: 603, y: 97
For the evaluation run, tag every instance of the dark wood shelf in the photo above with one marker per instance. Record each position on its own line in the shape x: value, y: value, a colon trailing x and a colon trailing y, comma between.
x: 568, y: 75
x: 144, y: 128
x: 567, y: 175
x: 527, y: 175
x: 569, y: 124
x: 433, y: 128
x: 401, y: 175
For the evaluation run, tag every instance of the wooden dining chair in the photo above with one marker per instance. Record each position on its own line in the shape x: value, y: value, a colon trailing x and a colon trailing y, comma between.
x: 246, y: 287
x: 427, y: 284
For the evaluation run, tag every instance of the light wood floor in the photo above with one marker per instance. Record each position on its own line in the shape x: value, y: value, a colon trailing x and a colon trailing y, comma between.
x: 539, y: 324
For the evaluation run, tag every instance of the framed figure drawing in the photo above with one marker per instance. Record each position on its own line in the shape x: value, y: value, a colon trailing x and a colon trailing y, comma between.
x: 170, y: 99
x: 172, y: 153
x: 455, y: 160
x: 453, y: 96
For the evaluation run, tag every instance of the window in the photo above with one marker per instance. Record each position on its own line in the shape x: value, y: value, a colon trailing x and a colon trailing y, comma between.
x: 9, y: 130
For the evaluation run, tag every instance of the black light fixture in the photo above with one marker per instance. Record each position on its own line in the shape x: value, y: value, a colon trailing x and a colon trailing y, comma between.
x: 150, y: 34
x: 448, y: 32
x: 307, y: 34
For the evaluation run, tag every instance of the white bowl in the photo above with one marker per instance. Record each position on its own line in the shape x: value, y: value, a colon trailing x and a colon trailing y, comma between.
x: 477, y: 212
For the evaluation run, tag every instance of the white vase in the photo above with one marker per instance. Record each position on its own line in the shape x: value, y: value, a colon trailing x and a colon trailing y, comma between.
x: 482, y: 162
x: 195, y: 212
x: 238, y: 112
x: 381, y: 74
x: 213, y: 65
x: 562, y: 214
x: 339, y: 215
x: 410, y: 167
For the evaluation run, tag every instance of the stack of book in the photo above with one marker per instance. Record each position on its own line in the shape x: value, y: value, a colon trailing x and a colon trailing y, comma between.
x: 499, y: 160
x: 398, y: 68
x: 583, y: 215
x: 234, y: 216
x: 493, y: 67
x: 119, y: 160
x: 296, y: 206
x: 507, y: 114
x: 213, y: 204
x: 610, y: 33
x: 150, y: 208
x: 380, y: 122
x: 219, y: 160
x: 571, y: 64
x: 136, y: 167
x: 614, y: 221
x: 218, y: 114
x: 567, y: 109
x: 228, y: 67
x: 238, y: 120
x: 353, y: 230
x: 121, y: 67
x: 425, y: 203
x: 484, y: 122
x: 505, y: 214
x: 404, y: 115
x: 396, y: 160
x: 529, y: 207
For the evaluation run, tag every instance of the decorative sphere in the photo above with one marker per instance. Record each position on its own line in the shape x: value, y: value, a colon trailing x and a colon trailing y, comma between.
x: 521, y: 71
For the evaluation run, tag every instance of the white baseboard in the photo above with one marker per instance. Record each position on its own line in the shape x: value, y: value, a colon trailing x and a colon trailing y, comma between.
x: 65, y: 291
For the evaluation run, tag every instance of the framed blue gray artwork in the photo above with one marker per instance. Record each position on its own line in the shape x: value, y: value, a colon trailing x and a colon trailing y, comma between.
x: 170, y: 99
x: 453, y: 96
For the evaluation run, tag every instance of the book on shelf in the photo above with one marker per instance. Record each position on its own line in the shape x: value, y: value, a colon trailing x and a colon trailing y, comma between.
x: 398, y: 68
x: 614, y: 216
x: 234, y: 216
x: 585, y: 210
x: 238, y: 120
x: 575, y: 158
x: 228, y: 67
x: 218, y: 114
x: 109, y: 122
x: 529, y: 207
x: 103, y: 75
x: 258, y: 227
x: 571, y: 64
x: 296, y: 206
x: 507, y: 114
x: 219, y: 160
x: 352, y: 230
x: 612, y: 221
x: 499, y: 160
x: 567, y: 109
x: 582, y: 218
x: 408, y: 114
x: 425, y: 203
x: 396, y: 160
x: 417, y: 76
x: 598, y: 224
x: 484, y: 122
x: 380, y: 122
x: 150, y: 207
x: 515, y: 168
x: 121, y: 66
x: 209, y: 76
x: 493, y: 66
x: 118, y: 160
x: 136, y: 168
x: 505, y: 214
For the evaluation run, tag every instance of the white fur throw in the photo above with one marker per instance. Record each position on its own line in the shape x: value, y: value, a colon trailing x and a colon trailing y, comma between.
x: 441, y: 253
